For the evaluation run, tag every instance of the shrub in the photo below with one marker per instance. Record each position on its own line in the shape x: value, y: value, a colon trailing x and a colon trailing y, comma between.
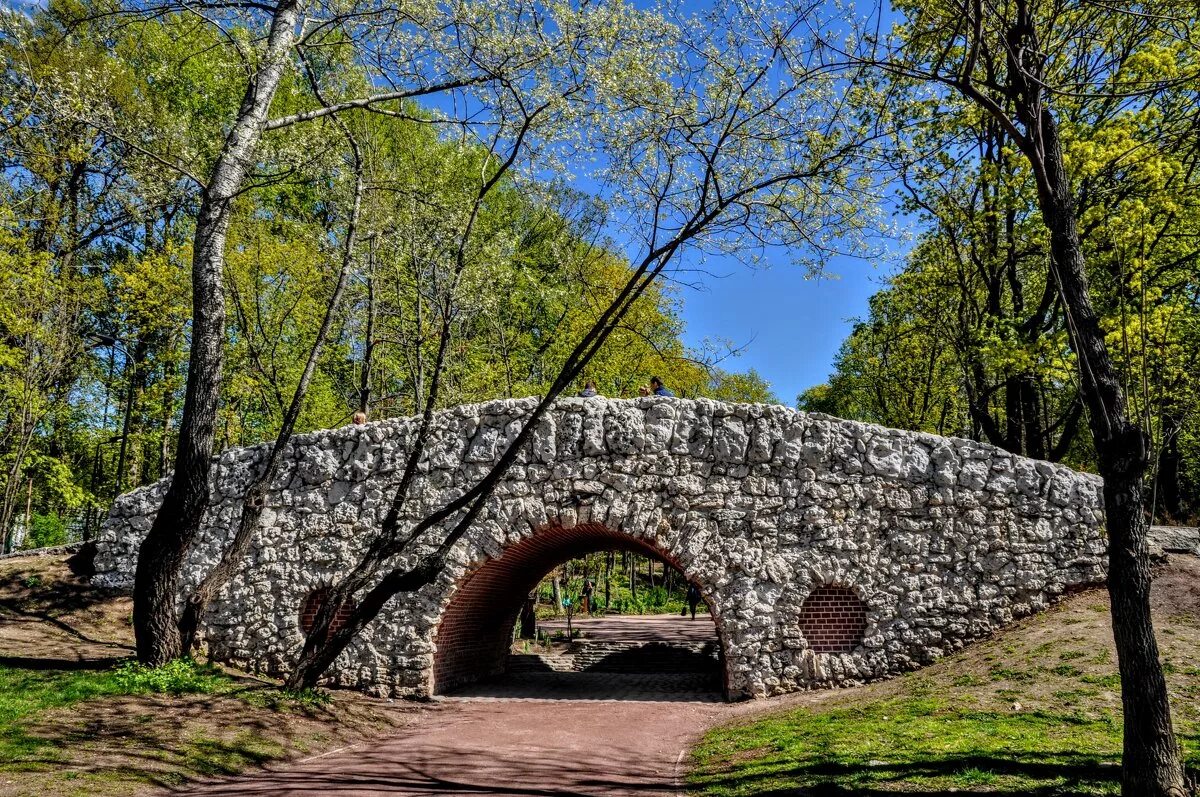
x: 45, y: 531
x: 182, y: 676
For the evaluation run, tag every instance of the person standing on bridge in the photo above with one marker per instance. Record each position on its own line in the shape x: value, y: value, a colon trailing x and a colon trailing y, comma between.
x: 658, y: 388
x: 693, y: 597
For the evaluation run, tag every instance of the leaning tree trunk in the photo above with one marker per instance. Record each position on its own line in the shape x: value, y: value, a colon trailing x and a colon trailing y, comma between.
x: 1151, y: 763
x: 160, y: 558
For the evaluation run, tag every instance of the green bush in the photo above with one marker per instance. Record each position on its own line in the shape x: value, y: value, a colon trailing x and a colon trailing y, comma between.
x: 45, y: 531
x: 182, y: 676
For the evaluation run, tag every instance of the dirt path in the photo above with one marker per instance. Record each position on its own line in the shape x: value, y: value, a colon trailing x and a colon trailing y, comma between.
x: 528, y: 748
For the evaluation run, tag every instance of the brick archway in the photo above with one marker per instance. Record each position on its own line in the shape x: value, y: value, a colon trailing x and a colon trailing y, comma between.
x: 472, y: 638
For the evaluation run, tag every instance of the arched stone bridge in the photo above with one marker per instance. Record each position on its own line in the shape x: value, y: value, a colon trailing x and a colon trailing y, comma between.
x: 829, y: 551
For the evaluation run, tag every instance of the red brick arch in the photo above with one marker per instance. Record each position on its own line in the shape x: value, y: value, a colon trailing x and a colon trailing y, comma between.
x: 472, y: 638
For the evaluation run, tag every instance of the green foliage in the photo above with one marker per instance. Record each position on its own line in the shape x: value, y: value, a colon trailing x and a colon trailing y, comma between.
x: 96, y: 236
x: 178, y: 677
x: 748, y: 387
x: 46, y: 531
x: 969, y: 336
x: 625, y: 595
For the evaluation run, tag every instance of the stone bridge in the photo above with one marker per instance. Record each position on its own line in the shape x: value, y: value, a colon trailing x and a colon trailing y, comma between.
x: 830, y: 552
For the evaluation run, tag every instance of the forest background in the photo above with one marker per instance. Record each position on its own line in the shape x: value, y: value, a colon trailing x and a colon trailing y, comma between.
x: 967, y: 337
x: 95, y: 246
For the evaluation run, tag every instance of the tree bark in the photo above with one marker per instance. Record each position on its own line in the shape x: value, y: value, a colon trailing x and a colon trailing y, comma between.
x: 609, y: 560
x: 134, y: 362
x: 1167, y: 473
x: 175, y: 527
x: 1151, y: 765
x: 255, y: 498
x: 1151, y: 762
x: 364, y: 387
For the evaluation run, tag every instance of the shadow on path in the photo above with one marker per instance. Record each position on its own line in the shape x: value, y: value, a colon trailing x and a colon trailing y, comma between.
x: 503, y: 748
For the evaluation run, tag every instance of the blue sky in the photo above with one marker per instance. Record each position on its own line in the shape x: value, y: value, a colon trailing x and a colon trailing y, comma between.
x: 788, y: 327
x: 791, y: 326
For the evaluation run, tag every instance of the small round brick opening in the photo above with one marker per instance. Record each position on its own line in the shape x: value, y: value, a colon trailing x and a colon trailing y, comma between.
x: 313, y: 603
x: 833, y: 620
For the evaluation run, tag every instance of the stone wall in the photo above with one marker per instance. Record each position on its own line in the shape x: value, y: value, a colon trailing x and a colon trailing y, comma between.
x: 943, y: 540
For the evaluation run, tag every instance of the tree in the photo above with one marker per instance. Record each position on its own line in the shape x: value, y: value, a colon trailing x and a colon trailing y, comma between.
x: 128, y: 113
x: 745, y: 387
x: 1016, y: 64
x: 253, y: 501
x: 287, y: 28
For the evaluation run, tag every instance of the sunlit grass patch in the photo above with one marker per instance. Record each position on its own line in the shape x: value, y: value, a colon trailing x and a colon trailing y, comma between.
x: 903, y: 743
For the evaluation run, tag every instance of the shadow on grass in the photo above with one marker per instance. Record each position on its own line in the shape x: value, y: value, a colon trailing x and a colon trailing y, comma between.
x: 168, y: 742
x: 67, y: 665
x: 47, y: 602
x: 1049, y: 773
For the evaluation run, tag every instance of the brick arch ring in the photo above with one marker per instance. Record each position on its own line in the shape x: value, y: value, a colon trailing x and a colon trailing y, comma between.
x: 471, y: 640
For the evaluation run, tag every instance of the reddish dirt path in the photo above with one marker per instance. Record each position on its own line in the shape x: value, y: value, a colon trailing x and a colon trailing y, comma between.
x: 579, y: 742
x: 542, y: 748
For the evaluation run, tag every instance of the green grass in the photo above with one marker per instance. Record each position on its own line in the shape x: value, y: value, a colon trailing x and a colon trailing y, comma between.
x: 910, y: 744
x: 31, y: 744
x: 213, y: 757
x: 26, y: 694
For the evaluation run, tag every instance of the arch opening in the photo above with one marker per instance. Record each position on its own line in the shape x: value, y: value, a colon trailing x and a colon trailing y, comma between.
x: 474, y: 639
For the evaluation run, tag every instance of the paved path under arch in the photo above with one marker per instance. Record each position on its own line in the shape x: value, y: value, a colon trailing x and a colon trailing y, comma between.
x: 639, y: 628
x: 598, y: 734
x: 523, y: 748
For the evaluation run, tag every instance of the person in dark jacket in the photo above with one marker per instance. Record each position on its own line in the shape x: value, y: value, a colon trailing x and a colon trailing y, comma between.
x: 658, y: 388
x: 693, y: 597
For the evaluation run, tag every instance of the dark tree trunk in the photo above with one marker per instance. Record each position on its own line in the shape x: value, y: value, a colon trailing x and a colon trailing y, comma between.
x: 1151, y: 763
x: 1014, y: 420
x: 160, y: 558
x: 125, y: 469
x: 364, y: 387
x: 1167, y: 475
x: 1035, y: 440
x: 609, y: 561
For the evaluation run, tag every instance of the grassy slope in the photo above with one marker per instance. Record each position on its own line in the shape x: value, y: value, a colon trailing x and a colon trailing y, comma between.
x: 77, y: 718
x: 1035, y: 710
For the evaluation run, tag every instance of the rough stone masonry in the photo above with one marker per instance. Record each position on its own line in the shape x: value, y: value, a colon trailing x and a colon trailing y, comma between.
x: 942, y: 540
